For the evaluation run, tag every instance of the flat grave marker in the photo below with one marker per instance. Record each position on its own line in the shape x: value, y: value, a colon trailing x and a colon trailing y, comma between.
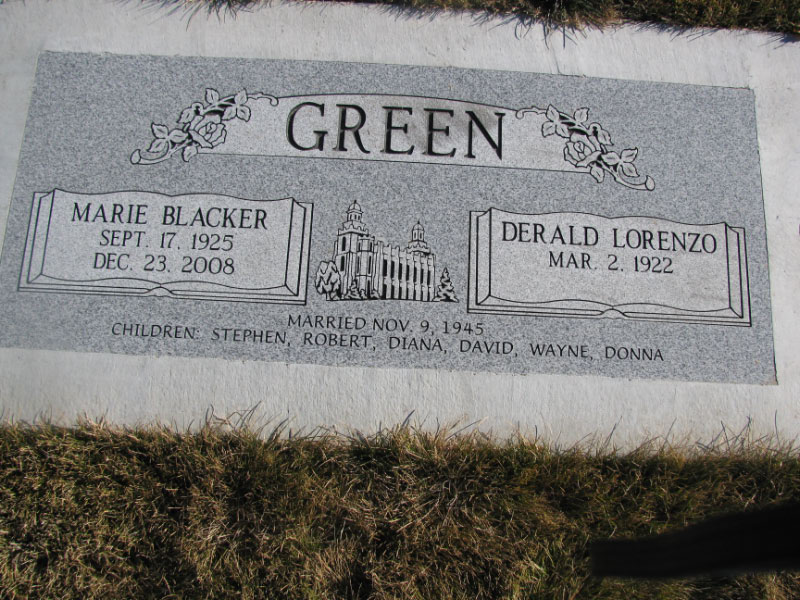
x: 389, y: 216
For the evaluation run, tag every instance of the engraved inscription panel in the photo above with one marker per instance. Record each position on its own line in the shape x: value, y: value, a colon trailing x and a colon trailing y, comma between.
x: 194, y: 246
x: 576, y: 264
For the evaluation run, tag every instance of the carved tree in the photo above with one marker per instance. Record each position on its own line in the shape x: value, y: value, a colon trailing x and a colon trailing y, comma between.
x: 328, y: 280
x: 445, y: 293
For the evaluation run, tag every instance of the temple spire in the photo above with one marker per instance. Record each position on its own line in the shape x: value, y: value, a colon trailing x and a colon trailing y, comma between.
x: 418, y: 245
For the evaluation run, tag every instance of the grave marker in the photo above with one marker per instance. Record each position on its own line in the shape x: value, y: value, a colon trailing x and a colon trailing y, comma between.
x: 344, y: 213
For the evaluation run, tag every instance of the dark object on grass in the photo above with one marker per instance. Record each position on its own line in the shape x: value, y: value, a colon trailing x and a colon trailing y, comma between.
x: 753, y: 541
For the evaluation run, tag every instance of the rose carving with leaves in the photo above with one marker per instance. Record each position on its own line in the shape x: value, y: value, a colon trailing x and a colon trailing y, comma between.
x: 588, y: 147
x: 200, y: 126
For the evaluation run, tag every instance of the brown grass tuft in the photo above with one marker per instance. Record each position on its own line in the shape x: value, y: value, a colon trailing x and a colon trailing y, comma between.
x: 780, y: 16
x: 98, y: 512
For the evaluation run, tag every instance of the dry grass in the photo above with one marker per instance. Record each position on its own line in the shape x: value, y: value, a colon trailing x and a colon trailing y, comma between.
x: 103, y: 512
x: 781, y: 16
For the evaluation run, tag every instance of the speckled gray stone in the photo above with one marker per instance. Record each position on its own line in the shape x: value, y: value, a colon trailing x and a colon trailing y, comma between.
x: 695, y: 172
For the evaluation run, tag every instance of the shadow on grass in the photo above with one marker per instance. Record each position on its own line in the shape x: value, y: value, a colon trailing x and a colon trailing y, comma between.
x: 233, y: 510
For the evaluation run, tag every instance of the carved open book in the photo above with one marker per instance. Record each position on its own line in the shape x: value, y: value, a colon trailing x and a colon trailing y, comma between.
x: 201, y: 246
x: 583, y: 265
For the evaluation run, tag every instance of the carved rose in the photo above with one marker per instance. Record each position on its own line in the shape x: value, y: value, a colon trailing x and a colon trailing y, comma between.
x: 583, y: 151
x: 200, y: 126
x: 588, y: 146
x: 578, y: 150
x: 207, y: 131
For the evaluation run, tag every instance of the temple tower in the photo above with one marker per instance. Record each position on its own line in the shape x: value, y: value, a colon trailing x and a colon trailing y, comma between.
x: 353, y: 247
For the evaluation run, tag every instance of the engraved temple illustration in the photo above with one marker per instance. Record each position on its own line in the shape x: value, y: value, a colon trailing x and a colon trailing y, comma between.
x: 364, y: 267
